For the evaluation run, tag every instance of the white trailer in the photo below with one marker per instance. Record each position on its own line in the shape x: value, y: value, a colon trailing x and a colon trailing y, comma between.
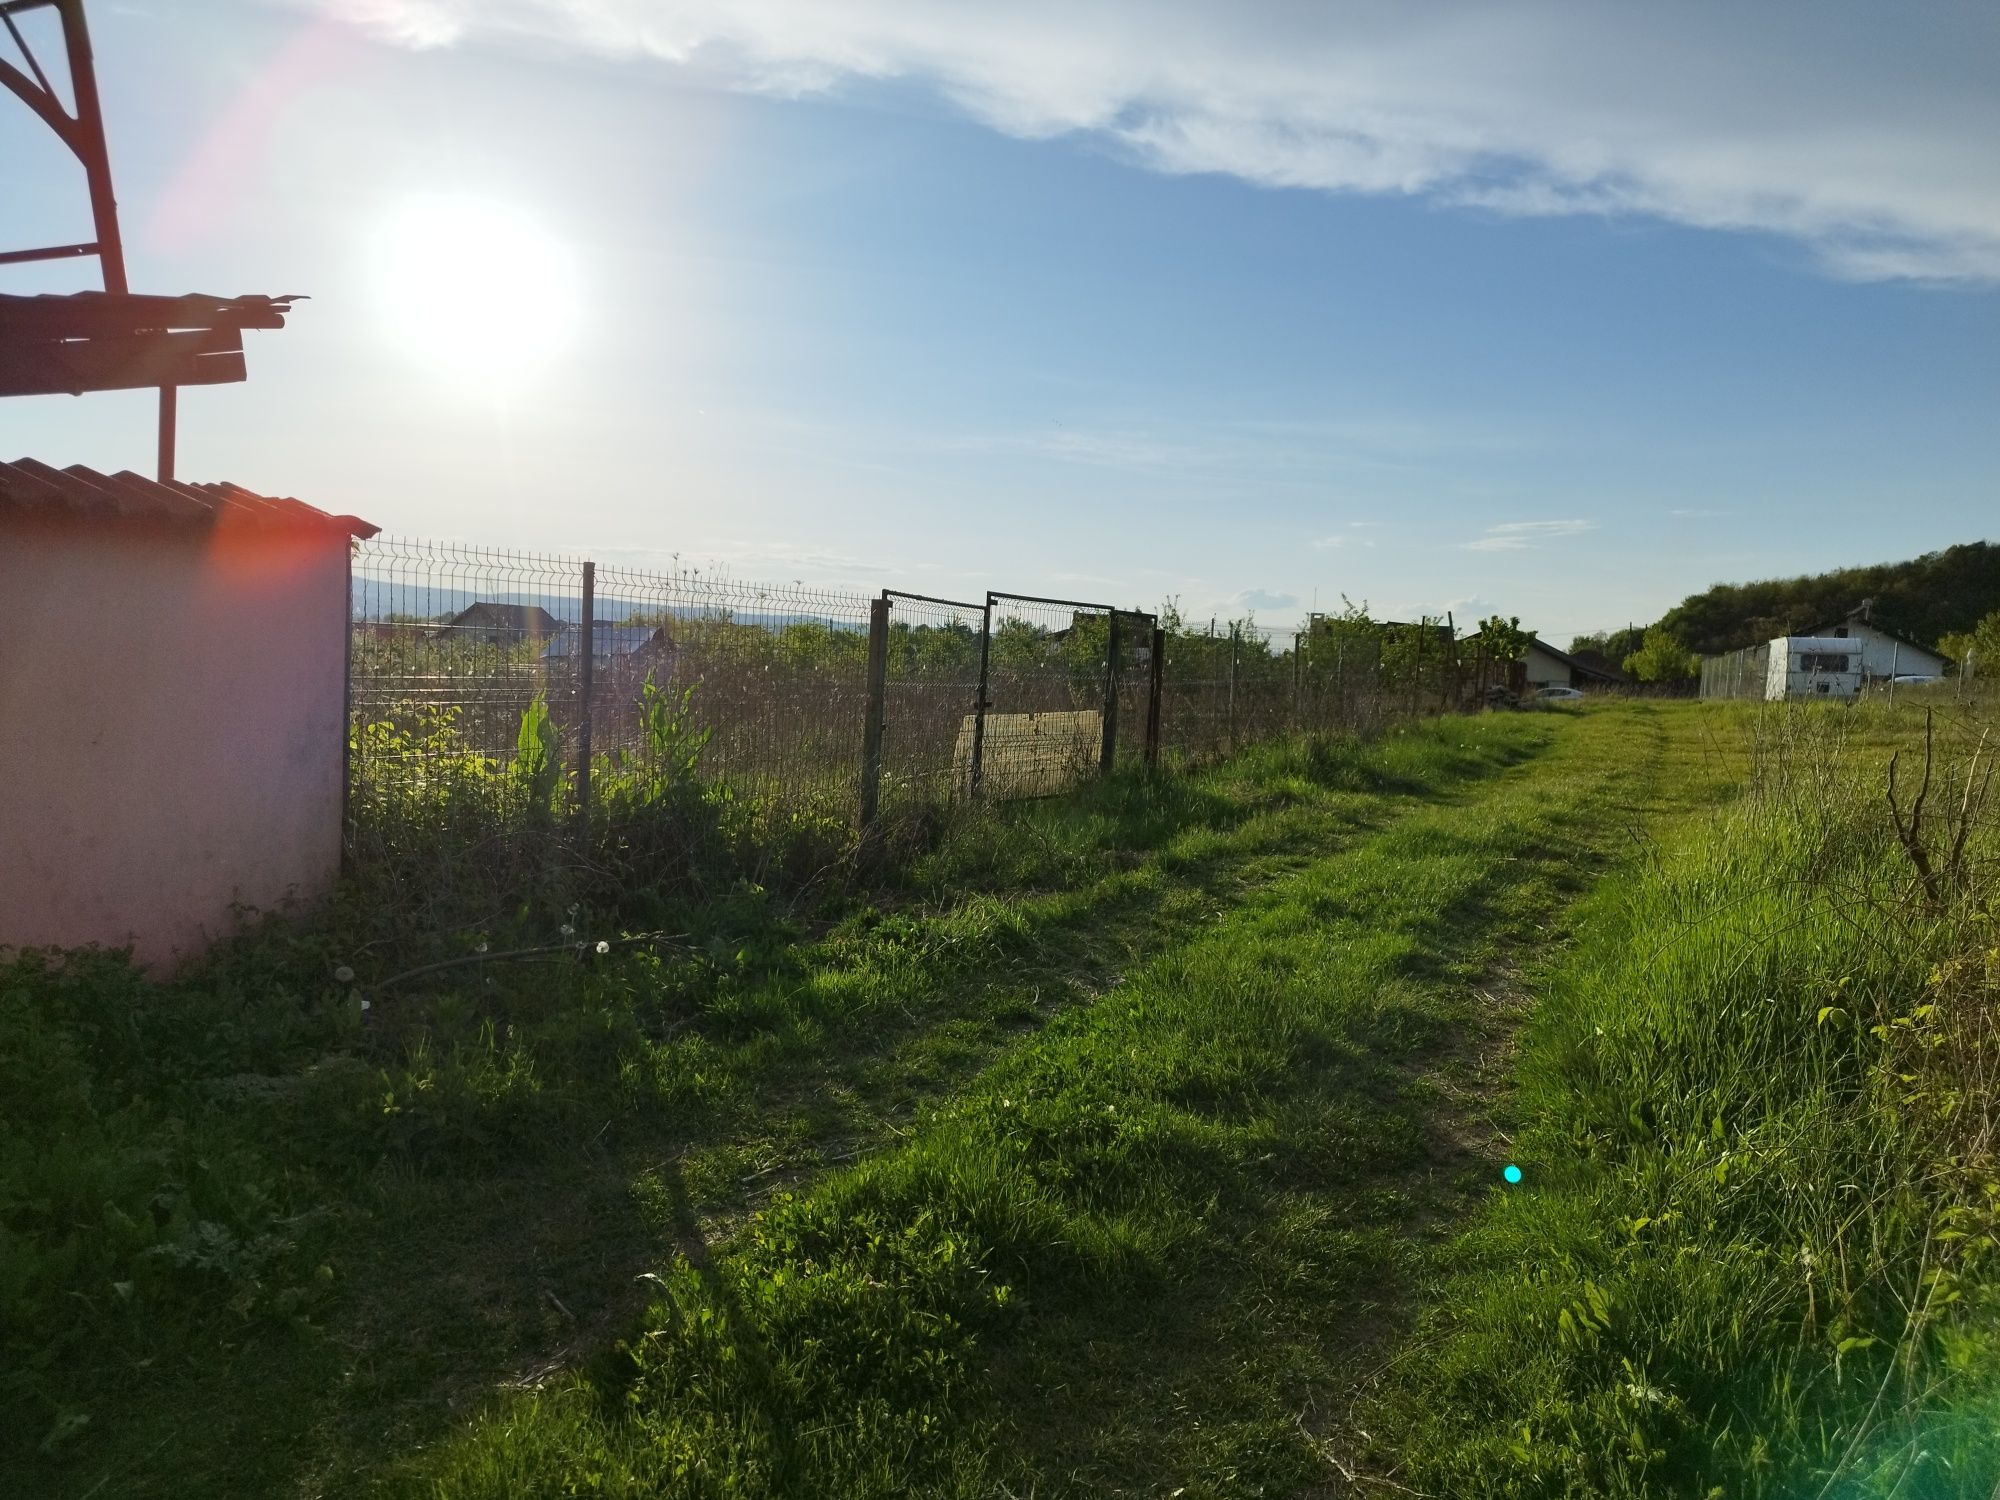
x: 1813, y: 667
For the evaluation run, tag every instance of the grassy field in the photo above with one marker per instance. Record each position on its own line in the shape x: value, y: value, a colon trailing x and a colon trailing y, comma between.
x: 260, y: 1240
x: 1754, y: 1254
x: 1144, y: 1142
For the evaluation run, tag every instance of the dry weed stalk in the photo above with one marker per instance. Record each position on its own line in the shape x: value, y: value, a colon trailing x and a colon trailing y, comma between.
x: 1948, y: 876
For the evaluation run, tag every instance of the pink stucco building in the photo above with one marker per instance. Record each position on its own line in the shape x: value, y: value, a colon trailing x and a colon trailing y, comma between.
x: 173, y: 676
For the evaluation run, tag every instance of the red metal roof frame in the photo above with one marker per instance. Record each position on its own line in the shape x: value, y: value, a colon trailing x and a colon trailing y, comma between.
x: 39, y: 491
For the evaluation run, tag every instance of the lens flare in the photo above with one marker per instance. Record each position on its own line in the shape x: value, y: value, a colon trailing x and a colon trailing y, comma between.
x: 475, y: 290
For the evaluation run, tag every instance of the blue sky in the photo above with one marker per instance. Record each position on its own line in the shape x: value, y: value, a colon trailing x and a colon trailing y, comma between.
x: 1565, y: 311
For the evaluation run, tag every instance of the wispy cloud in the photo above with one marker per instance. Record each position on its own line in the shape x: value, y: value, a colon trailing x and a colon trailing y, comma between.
x: 1695, y: 515
x: 1348, y: 538
x: 1866, y: 138
x: 1518, y: 536
x: 1265, y: 599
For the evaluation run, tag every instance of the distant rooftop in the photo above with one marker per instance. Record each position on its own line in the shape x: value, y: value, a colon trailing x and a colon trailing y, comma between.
x: 32, y: 489
x: 608, y: 640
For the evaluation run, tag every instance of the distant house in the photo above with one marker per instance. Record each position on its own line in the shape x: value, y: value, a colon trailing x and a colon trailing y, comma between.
x: 1135, y: 639
x: 1597, y: 662
x: 388, y: 630
x: 1883, y: 653
x: 624, y: 656
x: 491, y: 624
x: 1543, y: 666
x: 612, y: 642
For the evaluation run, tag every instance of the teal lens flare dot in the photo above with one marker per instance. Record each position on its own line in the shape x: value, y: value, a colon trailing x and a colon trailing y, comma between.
x: 1512, y: 1173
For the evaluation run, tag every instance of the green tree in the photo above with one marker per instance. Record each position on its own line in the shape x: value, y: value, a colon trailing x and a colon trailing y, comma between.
x: 1503, y: 637
x: 1612, y: 645
x: 1662, y: 658
x: 1980, y: 645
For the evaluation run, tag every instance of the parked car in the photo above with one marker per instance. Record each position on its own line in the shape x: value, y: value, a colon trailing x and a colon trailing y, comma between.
x: 1557, y: 695
x: 1916, y: 679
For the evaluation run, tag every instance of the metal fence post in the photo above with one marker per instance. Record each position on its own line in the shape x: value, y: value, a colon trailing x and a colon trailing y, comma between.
x: 1340, y: 680
x: 347, y: 713
x: 979, y: 702
x: 1155, y: 670
x: 877, y: 709
x: 1298, y: 658
x: 1417, y: 671
x: 1107, y: 757
x: 1233, y: 639
x: 1448, y: 699
x: 586, y: 666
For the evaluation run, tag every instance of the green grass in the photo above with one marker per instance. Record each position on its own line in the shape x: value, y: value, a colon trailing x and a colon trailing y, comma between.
x: 257, y: 1240
x: 1143, y: 1142
x: 1754, y: 1251
x: 1147, y: 1250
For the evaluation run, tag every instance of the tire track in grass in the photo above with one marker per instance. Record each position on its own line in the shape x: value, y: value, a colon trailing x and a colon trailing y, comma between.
x: 1148, y: 1249
x: 839, y: 1056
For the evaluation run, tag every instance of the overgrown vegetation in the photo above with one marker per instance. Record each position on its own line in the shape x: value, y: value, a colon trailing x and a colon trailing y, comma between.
x: 1924, y: 599
x: 1131, y: 1256
x: 1754, y: 1251
x: 1106, y: 1144
x: 265, y: 1225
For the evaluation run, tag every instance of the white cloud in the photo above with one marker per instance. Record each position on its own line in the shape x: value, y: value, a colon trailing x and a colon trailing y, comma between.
x: 1325, y: 543
x: 1518, y: 536
x: 1265, y: 599
x: 1862, y: 131
x: 1695, y: 515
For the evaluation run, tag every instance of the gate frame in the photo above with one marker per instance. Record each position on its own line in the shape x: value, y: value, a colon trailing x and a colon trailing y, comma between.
x: 876, y: 722
x: 1108, y: 747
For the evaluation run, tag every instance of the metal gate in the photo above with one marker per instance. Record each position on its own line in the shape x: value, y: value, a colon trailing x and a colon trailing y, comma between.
x: 1020, y: 696
x: 924, y: 685
x: 1066, y: 692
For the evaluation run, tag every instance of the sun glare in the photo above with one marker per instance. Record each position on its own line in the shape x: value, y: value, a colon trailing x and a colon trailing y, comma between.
x: 476, y: 290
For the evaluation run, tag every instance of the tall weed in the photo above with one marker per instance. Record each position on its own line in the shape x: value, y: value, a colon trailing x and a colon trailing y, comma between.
x: 1754, y: 1252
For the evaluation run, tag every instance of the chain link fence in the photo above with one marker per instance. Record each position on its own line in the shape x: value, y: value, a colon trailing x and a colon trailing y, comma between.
x: 489, y: 685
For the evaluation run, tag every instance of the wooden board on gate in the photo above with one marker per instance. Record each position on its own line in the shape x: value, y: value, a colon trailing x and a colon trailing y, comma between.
x: 1032, y: 755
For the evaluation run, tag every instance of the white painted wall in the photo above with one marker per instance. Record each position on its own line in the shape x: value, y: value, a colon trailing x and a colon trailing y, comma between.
x: 1880, y: 655
x: 1543, y: 670
x: 172, y: 722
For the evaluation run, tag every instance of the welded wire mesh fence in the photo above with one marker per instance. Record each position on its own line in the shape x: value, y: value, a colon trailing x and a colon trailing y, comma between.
x: 930, y: 686
x: 491, y: 686
x: 1049, y: 690
x: 771, y: 680
x: 1736, y: 674
x: 451, y: 665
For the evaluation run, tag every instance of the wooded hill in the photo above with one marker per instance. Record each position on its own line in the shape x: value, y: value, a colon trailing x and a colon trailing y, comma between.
x: 1927, y: 597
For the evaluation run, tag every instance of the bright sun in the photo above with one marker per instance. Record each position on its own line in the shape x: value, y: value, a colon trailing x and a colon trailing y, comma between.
x: 475, y: 289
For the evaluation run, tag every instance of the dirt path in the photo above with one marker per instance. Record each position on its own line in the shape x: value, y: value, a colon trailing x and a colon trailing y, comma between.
x: 1199, y: 1208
